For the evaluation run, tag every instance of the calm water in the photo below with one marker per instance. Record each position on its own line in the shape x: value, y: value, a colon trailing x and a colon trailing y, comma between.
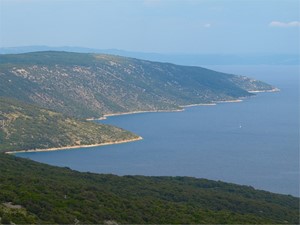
x: 255, y: 142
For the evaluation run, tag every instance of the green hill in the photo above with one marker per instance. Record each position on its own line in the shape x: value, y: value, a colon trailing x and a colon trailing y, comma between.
x: 24, y: 127
x: 90, y: 85
x: 31, y: 192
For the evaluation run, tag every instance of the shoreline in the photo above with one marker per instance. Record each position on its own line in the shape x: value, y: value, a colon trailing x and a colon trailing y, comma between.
x: 75, y: 146
x: 229, y: 101
x: 104, y: 117
x: 261, y: 91
x: 200, y: 104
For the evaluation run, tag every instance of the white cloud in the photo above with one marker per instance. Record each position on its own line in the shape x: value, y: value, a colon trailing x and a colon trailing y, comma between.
x: 283, y: 24
x: 207, y: 25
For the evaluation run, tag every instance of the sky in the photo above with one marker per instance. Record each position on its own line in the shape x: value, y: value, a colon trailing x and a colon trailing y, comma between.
x: 161, y: 26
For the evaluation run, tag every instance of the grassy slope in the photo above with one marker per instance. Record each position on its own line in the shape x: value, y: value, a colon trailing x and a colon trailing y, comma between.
x: 24, y: 126
x: 60, y: 195
x: 89, y: 85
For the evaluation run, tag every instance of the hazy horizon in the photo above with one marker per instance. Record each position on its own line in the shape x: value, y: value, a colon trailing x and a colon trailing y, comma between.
x: 154, y: 26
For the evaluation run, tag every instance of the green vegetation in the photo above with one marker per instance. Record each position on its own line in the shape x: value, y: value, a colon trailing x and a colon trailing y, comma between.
x: 90, y: 85
x: 50, y: 194
x: 24, y: 127
x: 35, y: 88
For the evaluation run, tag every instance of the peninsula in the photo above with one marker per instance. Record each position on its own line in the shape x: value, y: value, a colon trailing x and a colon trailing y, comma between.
x: 86, y: 85
x: 27, y: 128
x: 46, y: 97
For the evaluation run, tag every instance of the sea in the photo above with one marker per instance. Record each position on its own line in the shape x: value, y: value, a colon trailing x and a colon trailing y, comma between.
x: 254, y: 142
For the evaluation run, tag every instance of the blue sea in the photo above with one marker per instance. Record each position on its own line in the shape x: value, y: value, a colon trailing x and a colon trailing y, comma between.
x: 254, y: 142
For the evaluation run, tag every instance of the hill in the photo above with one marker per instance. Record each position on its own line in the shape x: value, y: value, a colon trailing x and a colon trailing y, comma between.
x: 31, y: 192
x: 24, y: 127
x: 90, y: 85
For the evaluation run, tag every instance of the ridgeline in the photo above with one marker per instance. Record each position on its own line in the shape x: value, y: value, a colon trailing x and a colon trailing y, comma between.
x: 90, y: 85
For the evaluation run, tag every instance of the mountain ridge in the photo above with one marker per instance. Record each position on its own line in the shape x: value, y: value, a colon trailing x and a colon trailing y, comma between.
x: 89, y: 85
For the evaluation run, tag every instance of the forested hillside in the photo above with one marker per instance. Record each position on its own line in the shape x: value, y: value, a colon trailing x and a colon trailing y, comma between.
x: 31, y: 192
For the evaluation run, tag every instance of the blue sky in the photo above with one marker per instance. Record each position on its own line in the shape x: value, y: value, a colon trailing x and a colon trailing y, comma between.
x: 163, y: 26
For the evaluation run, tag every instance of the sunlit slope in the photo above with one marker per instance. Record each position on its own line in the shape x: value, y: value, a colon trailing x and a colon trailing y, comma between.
x: 90, y: 85
x: 24, y: 127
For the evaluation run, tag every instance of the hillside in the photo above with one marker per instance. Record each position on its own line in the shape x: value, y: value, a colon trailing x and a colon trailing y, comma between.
x: 31, y: 192
x: 90, y: 85
x: 24, y: 126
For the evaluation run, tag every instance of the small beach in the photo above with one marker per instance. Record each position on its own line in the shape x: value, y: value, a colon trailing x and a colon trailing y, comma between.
x: 104, y: 117
x: 75, y: 146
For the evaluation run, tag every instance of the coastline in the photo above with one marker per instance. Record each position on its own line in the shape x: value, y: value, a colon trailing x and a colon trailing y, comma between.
x: 74, y: 146
x: 229, y: 101
x: 200, y: 104
x: 134, y: 112
x: 104, y: 117
x: 260, y: 91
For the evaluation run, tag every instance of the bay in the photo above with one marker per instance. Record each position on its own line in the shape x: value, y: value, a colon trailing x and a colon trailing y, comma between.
x: 254, y: 142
